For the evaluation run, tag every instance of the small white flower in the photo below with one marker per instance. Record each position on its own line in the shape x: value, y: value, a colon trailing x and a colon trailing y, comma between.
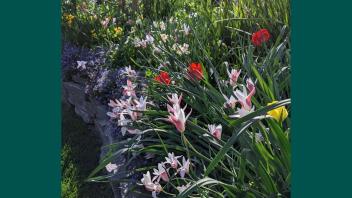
x: 186, y: 29
x: 149, y: 39
x: 81, y: 64
x: 141, y: 104
x: 183, y: 187
x: 172, y: 160
x: 149, y: 185
x: 122, y: 120
x: 105, y: 22
x: 184, y: 167
x: 162, y: 26
x: 129, y: 72
x: 114, y: 114
x: 131, y: 110
x: 160, y: 173
x: 184, y: 48
x: 111, y: 167
x: 139, y: 21
x: 164, y: 37
x: 140, y: 43
x: 181, y: 49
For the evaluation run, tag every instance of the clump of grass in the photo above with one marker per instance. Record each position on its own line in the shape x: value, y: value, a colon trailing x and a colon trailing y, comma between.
x: 69, y: 182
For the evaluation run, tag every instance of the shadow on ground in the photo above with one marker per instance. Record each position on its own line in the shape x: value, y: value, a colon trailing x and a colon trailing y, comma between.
x: 79, y: 156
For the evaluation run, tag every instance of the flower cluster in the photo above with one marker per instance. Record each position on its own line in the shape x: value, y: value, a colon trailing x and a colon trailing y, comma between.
x: 143, y: 43
x: 181, y: 49
x: 128, y: 105
x: 163, y: 172
x: 242, y: 97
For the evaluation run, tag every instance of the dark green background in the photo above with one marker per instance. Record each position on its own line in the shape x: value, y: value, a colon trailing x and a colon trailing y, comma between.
x: 30, y: 99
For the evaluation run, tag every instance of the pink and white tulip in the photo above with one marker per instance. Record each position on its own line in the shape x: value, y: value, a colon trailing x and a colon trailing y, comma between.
x: 160, y: 173
x: 177, y: 117
x: 233, y: 76
x: 149, y: 185
x: 184, y: 167
x: 172, y: 160
x: 128, y: 90
x: 174, y: 99
x: 129, y: 72
x: 230, y: 102
x: 245, y: 99
x: 215, y: 130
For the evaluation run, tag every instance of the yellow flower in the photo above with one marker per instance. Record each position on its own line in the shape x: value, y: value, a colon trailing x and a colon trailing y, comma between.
x: 118, y: 31
x: 94, y: 34
x: 279, y: 114
x: 69, y: 18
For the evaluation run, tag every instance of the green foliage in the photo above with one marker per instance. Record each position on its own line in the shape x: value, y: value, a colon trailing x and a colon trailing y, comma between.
x: 69, y: 182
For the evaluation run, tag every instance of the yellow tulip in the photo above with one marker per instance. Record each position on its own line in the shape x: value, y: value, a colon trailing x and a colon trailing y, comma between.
x: 279, y: 114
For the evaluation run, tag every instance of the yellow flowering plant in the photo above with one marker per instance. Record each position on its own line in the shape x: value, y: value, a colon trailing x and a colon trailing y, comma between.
x: 69, y: 19
x: 279, y: 114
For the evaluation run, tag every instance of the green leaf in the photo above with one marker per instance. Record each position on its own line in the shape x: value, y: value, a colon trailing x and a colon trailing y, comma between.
x: 226, y: 147
x: 200, y: 183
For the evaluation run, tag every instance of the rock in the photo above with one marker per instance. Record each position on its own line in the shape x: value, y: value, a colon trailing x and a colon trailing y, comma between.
x: 83, y: 113
x: 94, y: 114
x: 75, y: 92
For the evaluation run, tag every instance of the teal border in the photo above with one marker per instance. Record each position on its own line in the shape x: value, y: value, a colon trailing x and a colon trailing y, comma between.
x: 321, y: 83
x: 30, y: 99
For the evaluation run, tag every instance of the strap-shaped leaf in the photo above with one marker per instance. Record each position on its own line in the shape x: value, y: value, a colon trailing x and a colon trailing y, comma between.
x: 200, y: 183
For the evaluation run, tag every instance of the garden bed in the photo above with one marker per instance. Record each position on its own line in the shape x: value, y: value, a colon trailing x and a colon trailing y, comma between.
x: 189, y: 98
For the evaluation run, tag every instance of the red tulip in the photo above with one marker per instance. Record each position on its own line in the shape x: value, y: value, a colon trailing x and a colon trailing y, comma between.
x: 195, y: 70
x: 163, y: 78
x: 260, y: 37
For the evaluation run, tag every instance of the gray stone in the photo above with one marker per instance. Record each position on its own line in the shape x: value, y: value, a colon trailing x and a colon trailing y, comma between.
x: 75, y: 92
x: 94, y: 114
x: 83, y: 114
